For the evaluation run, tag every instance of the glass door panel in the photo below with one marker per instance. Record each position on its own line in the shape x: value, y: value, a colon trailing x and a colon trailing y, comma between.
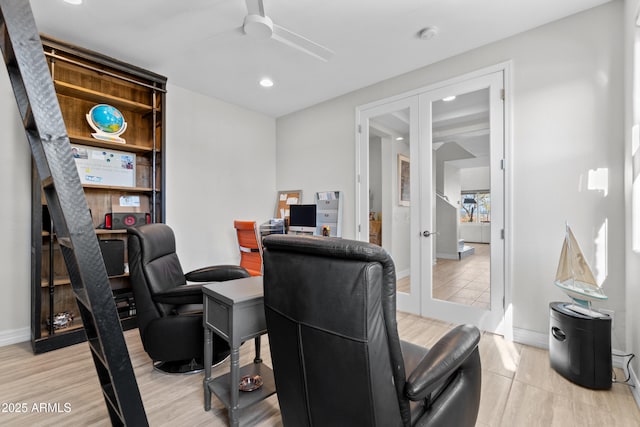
x: 390, y: 135
x: 466, y: 138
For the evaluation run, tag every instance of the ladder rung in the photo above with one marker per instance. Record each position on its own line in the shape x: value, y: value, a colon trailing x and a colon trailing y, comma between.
x: 65, y: 241
x: 81, y: 298
x: 28, y: 120
x: 96, y: 348
x: 47, y: 182
x: 3, y: 39
x: 92, y: 335
x: 108, y: 391
x: 110, y: 398
x: 9, y: 58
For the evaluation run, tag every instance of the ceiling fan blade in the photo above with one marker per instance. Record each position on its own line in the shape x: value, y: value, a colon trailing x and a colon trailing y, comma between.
x: 255, y: 7
x: 222, y: 38
x: 301, y: 43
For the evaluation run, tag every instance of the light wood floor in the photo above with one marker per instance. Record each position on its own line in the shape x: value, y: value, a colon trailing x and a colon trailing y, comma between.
x: 518, y: 388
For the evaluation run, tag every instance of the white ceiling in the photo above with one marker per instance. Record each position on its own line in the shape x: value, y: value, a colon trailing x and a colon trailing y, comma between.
x: 189, y: 41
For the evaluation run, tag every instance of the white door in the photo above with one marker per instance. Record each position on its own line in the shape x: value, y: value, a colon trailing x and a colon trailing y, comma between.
x: 463, y: 192
x: 388, y: 141
x: 430, y: 186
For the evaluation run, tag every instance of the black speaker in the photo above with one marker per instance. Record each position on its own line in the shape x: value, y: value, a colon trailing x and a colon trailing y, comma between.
x: 113, y: 255
x: 122, y: 220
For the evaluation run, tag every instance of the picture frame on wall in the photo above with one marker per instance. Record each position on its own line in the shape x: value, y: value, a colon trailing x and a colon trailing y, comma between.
x: 404, y: 180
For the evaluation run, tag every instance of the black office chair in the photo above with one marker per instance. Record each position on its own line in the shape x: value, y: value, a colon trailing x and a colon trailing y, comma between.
x: 169, y: 311
x: 330, y: 307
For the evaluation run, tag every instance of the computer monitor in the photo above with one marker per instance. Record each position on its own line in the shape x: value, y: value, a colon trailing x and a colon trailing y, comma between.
x: 302, y: 218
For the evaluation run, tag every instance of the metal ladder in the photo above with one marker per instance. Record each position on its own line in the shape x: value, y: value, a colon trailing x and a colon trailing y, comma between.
x: 51, y: 150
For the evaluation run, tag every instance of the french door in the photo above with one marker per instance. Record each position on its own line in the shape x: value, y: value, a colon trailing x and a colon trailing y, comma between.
x: 389, y: 216
x: 431, y: 192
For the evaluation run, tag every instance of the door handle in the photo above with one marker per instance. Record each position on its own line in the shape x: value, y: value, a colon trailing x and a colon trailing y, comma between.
x: 428, y: 233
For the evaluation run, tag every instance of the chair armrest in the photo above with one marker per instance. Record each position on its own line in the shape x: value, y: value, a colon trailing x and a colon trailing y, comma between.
x: 441, y: 361
x: 217, y: 273
x: 185, y: 294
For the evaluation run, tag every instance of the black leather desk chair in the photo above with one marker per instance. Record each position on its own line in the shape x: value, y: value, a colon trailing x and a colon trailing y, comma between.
x: 338, y: 361
x: 169, y: 311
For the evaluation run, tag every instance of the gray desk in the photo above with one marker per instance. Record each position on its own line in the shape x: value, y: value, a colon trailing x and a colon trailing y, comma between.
x: 235, y: 311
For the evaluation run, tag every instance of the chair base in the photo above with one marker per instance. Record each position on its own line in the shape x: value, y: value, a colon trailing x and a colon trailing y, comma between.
x: 187, y: 367
x: 193, y: 366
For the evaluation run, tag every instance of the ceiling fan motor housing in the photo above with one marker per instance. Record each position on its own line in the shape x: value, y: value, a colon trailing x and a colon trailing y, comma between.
x: 257, y: 26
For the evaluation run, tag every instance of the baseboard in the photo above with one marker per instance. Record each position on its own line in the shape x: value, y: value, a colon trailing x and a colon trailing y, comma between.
x: 536, y: 339
x: 14, y: 336
x: 531, y: 338
x: 447, y: 256
x: 402, y: 274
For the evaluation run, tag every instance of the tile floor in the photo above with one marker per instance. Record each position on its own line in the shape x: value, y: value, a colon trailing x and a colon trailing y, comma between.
x: 519, y: 388
x: 464, y: 281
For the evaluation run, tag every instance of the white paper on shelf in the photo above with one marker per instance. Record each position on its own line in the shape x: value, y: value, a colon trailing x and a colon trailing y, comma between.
x: 130, y: 201
x: 327, y: 195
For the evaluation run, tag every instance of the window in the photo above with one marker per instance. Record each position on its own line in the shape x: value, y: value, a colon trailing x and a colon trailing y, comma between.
x: 475, y: 206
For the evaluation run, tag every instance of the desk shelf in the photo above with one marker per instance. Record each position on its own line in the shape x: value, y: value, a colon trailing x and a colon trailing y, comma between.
x: 220, y: 386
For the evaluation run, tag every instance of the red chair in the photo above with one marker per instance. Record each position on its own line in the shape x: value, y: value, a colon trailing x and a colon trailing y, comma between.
x: 250, y: 247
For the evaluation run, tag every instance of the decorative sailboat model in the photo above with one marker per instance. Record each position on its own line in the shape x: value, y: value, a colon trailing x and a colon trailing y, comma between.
x: 575, y: 278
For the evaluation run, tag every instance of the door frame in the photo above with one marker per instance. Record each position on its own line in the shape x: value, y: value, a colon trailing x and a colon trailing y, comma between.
x: 362, y: 175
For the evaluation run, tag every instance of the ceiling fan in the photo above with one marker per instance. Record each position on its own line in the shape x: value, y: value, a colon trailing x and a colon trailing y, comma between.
x: 258, y: 25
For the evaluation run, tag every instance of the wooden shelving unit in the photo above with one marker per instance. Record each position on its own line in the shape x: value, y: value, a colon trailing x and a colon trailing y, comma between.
x: 82, y: 79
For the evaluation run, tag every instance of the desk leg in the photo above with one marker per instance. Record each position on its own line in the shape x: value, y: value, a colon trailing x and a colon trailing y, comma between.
x: 257, y: 343
x: 233, y: 389
x: 208, y: 360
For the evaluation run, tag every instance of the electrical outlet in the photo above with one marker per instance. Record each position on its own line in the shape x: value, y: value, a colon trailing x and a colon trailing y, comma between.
x: 611, y: 314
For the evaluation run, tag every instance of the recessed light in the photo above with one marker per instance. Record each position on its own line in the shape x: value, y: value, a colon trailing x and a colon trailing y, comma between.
x: 449, y: 98
x: 266, y: 82
x: 428, y: 33
x: 399, y: 138
x: 76, y: 2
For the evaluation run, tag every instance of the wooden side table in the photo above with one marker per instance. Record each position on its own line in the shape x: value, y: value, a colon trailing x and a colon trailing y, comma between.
x: 235, y: 310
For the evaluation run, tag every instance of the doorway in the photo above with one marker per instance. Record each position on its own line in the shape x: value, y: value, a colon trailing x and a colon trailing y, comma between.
x: 431, y: 192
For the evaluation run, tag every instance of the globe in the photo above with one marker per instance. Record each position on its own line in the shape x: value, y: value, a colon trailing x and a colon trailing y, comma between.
x: 106, y: 118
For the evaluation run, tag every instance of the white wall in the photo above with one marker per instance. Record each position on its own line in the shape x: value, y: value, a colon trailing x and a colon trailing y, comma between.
x: 567, y: 119
x: 447, y: 223
x: 220, y: 167
x: 452, y: 183
x: 632, y: 116
x: 15, y: 215
x: 375, y: 174
x: 472, y: 179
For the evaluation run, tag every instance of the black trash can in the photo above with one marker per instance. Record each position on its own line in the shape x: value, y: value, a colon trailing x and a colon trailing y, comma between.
x: 580, y: 346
